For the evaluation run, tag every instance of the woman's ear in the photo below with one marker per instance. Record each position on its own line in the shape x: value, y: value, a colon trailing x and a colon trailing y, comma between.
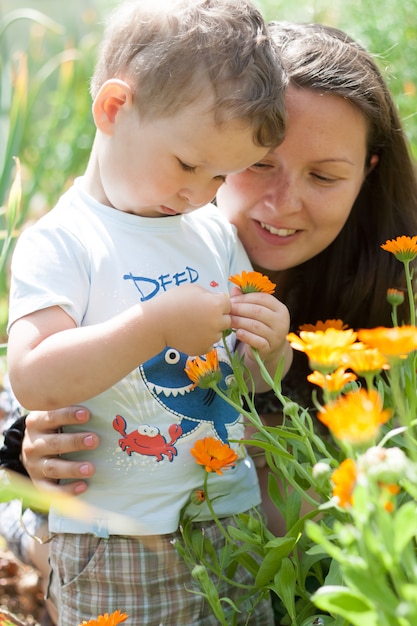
x: 113, y: 95
x: 372, y: 162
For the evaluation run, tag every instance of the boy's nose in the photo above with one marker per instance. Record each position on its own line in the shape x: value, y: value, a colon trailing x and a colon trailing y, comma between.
x: 200, y: 195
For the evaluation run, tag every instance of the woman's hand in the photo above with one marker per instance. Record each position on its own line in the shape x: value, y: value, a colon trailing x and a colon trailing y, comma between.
x: 43, y: 443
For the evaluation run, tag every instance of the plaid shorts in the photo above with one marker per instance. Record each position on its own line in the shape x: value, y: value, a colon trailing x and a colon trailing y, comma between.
x: 141, y: 576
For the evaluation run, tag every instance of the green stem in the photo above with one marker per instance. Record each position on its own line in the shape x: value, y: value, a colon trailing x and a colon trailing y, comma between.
x: 394, y: 315
x: 212, y: 512
x: 410, y: 293
x: 252, y: 418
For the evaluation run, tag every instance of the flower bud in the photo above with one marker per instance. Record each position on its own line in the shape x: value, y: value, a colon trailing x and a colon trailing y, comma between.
x: 395, y: 297
x: 198, y: 497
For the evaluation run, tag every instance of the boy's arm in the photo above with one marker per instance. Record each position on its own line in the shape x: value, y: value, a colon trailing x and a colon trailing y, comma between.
x: 262, y: 322
x: 53, y: 364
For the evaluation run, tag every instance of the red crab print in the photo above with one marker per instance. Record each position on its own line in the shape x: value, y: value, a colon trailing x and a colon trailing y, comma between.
x: 147, y: 439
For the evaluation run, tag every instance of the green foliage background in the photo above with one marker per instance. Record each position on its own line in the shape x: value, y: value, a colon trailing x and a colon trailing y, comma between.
x: 47, y: 54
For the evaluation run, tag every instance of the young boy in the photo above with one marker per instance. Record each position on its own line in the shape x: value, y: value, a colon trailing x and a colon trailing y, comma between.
x: 107, y: 302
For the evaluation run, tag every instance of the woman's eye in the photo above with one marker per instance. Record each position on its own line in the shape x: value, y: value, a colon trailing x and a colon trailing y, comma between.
x: 185, y: 167
x: 324, y: 179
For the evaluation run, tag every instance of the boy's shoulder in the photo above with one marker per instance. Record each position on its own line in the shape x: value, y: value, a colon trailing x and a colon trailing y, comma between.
x: 210, y: 217
x: 71, y: 207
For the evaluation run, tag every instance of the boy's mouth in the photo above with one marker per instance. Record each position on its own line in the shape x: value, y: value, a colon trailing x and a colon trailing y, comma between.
x: 167, y: 211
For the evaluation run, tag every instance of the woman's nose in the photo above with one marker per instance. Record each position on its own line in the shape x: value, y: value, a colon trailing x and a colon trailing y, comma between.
x: 283, y: 194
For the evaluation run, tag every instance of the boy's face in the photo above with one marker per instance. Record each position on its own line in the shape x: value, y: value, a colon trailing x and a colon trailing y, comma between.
x: 170, y: 165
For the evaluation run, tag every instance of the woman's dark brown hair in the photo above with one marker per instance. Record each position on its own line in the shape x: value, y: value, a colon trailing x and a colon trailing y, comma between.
x: 350, y: 278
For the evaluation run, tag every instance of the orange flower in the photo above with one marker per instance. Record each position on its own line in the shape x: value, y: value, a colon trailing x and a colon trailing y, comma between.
x: 324, y: 348
x: 344, y: 481
x: 397, y: 341
x: 364, y: 361
x: 214, y: 455
x: 404, y: 248
x: 388, y: 493
x: 338, y: 324
x: 253, y: 282
x: 333, y: 382
x: 355, y: 417
x: 409, y: 88
x: 107, y: 620
x: 204, y: 371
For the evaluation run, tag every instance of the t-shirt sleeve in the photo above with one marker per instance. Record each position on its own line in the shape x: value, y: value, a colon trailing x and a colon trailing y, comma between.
x: 49, y: 268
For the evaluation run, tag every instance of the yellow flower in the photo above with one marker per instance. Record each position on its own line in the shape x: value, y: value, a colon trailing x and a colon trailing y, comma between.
x: 253, y: 282
x: 344, y: 481
x: 107, y: 620
x: 364, y: 361
x: 324, y: 348
x: 404, y: 248
x: 333, y: 382
x: 204, y: 371
x: 214, y: 455
x: 338, y: 324
x: 397, y: 341
x: 355, y: 417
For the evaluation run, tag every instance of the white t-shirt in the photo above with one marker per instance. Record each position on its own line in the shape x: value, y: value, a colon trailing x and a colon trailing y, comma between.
x: 94, y: 262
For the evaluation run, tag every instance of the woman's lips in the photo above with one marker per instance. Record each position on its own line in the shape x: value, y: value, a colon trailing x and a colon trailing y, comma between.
x: 281, y: 232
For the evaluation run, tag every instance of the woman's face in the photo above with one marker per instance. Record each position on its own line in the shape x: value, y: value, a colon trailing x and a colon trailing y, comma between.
x: 291, y: 205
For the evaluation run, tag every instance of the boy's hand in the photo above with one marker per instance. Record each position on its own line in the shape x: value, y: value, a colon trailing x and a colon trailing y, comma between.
x: 193, y: 318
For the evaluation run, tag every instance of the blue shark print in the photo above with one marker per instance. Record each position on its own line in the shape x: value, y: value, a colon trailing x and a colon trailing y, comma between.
x: 166, y: 380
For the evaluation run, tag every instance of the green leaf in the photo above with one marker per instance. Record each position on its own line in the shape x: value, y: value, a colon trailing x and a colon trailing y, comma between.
x: 405, y: 527
x: 272, y: 561
x: 317, y: 534
x: 274, y: 492
x: 285, y: 585
x: 292, y: 508
x: 326, y: 620
x: 247, y: 561
x: 369, y: 576
x: 349, y: 604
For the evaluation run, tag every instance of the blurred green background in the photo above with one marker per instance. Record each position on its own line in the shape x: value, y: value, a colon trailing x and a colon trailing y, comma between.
x: 47, y: 53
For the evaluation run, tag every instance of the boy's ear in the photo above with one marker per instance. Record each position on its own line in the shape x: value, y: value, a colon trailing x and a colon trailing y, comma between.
x: 112, y: 96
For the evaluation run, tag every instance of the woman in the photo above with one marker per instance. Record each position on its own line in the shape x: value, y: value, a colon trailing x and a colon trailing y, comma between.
x: 312, y: 215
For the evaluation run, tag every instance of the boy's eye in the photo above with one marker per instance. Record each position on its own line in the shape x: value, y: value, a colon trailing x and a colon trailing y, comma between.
x: 260, y: 166
x: 185, y: 167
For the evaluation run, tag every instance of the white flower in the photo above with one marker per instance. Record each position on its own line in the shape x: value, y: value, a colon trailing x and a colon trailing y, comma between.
x: 321, y: 470
x: 384, y: 464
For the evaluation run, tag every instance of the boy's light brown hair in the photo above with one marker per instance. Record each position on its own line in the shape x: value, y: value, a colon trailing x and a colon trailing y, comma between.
x: 171, y: 52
